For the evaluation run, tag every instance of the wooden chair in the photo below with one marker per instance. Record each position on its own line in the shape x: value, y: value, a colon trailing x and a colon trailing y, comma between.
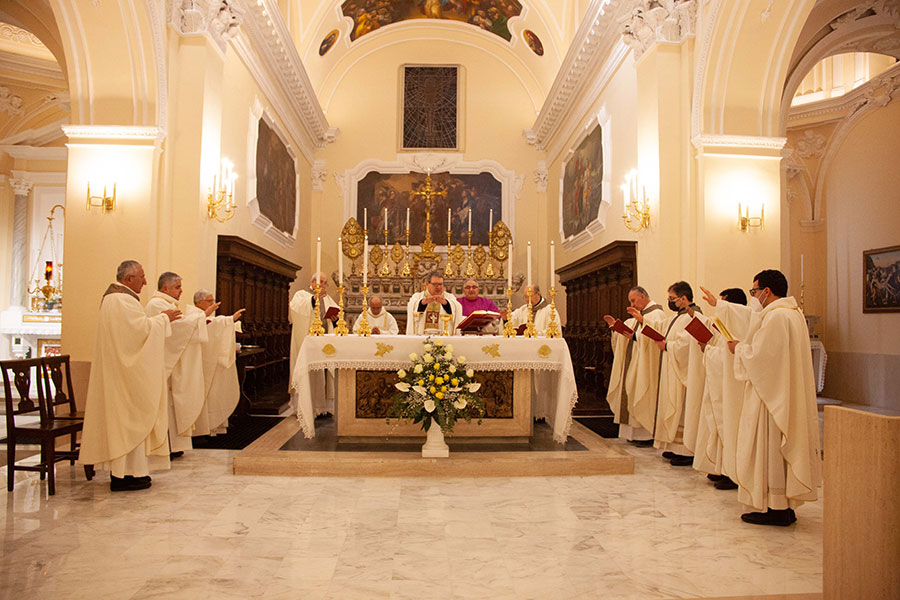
x: 18, y: 375
x: 57, y: 376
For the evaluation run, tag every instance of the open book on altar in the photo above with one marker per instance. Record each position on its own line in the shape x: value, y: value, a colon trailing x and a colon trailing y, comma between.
x: 477, y: 320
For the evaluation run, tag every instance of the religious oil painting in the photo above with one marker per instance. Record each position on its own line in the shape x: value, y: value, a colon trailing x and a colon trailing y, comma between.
x: 328, y: 41
x: 533, y: 41
x: 881, y: 280
x: 276, y: 179
x: 479, y: 192
x: 430, y: 107
x: 582, y: 184
x: 491, y: 16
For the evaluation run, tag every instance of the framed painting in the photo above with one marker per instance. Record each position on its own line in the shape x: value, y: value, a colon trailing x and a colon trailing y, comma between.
x: 584, y: 186
x: 48, y: 347
x: 881, y: 280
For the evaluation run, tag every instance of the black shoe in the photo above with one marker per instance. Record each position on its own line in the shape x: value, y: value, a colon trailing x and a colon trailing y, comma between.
x: 780, y: 518
x: 642, y: 443
x: 668, y: 455
x: 174, y: 455
x: 712, y: 477
x: 144, y: 479
x: 726, y: 484
x: 123, y: 484
x: 680, y: 460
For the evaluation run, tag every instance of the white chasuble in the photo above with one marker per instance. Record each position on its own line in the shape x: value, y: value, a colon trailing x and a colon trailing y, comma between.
x: 778, y: 459
x: 184, y: 365
x: 673, y: 376
x: 300, y: 315
x: 541, y: 318
x: 416, y: 321
x: 694, y: 383
x: 384, y: 322
x: 126, y: 409
x: 219, y: 374
x: 709, y: 449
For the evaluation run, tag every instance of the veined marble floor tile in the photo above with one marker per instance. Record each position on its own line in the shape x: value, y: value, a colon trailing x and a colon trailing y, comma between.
x: 200, y: 531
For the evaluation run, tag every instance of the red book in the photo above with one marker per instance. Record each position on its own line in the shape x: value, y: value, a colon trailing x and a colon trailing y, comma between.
x: 652, y: 334
x: 332, y: 313
x: 622, y: 328
x: 520, y: 330
x: 699, y: 331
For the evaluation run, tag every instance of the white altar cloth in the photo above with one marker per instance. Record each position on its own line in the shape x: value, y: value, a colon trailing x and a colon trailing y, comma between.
x: 555, y: 393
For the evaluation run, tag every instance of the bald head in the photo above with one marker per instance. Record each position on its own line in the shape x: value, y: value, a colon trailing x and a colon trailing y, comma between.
x: 375, y: 305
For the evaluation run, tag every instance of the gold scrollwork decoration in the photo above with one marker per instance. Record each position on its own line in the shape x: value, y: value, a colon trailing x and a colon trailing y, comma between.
x: 545, y: 351
x: 352, y: 239
x: 458, y: 256
x: 329, y: 350
x: 376, y: 255
x: 383, y: 349
x: 397, y: 253
x: 492, y: 350
x: 479, y: 257
x: 500, y: 240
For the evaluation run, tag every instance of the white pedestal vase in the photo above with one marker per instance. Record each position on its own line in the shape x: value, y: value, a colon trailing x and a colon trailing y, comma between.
x: 434, y: 446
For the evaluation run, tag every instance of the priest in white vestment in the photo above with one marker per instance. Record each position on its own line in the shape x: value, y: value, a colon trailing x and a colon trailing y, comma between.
x: 126, y: 415
x: 778, y: 459
x: 676, y: 373
x: 540, y: 313
x: 425, y: 310
x: 219, y: 368
x: 184, y: 362
x: 380, y: 321
x: 635, y: 370
x: 301, y: 313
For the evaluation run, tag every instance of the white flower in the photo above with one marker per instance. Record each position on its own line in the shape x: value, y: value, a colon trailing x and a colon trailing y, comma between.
x: 459, y: 404
x: 474, y: 387
x: 403, y: 387
x: 401, y: 373
x: 428, y: 405
x: 460, y: 360
x: 470, y: 373
x: 455, y: 389
x: 450, y: 348
x: 449, y: 356
x: 438, y: 342
x: 420, y: 389
x: 427, y: 347
x: 417, y: 369
x: 413, y: 357
x: 452, y: 368
x: 428, y: 358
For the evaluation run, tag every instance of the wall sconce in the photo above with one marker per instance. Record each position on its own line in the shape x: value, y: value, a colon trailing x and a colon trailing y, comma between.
x: 745, y: 221
x: 104, y: 203
x: 637, y: 205
x: 221, y: 193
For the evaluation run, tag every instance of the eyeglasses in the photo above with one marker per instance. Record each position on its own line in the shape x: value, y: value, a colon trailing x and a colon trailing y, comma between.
x: 754, y: 291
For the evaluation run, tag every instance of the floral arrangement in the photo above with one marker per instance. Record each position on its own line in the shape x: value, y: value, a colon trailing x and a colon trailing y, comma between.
x: 437, y: 388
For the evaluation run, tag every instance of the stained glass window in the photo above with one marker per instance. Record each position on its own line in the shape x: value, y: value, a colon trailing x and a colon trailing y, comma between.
x: 430, y: 107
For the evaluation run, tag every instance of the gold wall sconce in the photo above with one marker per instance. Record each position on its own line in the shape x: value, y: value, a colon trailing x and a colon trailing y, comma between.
x: 220, y: 203
x: 104, y: 203
x: 745, y: 221
x: 637, y: 205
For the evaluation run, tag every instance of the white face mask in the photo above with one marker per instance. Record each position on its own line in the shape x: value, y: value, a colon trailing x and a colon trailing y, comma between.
x: 755, y: 305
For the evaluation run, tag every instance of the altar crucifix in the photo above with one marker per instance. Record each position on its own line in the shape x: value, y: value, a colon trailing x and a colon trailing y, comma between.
x: 428, y: 192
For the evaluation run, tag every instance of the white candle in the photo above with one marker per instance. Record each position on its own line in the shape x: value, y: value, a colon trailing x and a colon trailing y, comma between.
x: 801, y: 269
x: 365, y: 260
x: 366, y: 219
x: 528, y: 264
x: 385, y: 219
x: 340, y: 263
x: 407, y: 218
x: 491, y: 223
x: 509, y: 267
x: 470, y: 219
x: 318, y: 258
x: 448, y: 219
x: 552, y: 265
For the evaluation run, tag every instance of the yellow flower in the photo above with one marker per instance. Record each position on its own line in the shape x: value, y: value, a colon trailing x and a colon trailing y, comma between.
x: 431, y: 378
x: 437, y: 366
x: 432, y: 389
x: 421, y: 382
x: 439, y: 396
x: 454, y: 382
x: 439, y: 380
x: 443, y: 388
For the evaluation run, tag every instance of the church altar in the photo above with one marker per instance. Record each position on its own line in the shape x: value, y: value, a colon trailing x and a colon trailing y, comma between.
x: 547, y: 360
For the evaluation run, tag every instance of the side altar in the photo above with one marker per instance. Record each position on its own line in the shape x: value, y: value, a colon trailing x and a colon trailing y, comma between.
x: 522, y: 379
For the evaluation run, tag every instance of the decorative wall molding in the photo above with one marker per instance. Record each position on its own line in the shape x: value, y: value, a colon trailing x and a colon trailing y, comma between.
x: 41, y: 178
x: 10, y: 102
x: 877, y: 90
x: 266, y: 47
x: 219, y: 19
x: 811, y: 145
x: 120, y: 133
x: 36, y: 153
x: 20, y: 36
x: 21, y: 67
x: 655, y: 21
x: 37, y: 137
x: 319, y: 174
x: 588, y: 61
x: 541, y: 175
x: 709, y: 141
x: 158, y: 30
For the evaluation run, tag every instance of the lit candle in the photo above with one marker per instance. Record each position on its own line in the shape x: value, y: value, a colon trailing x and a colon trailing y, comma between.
x: 528, y: 264
x: 365, y: 261
x: 407, y: 218
x: 340, y: 263
x: 318, y: 258
x: 801, y: 270
x: 552, y: 265
x: 470, y: 220
x: 491, y: 222
x: 509, y: 267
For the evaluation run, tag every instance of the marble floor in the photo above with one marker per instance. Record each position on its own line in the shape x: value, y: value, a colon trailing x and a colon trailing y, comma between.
x: 202, y: 532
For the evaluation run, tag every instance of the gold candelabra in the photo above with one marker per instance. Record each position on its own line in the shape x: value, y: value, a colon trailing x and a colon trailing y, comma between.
x: 552, y: 326
x: 364, y: 329
x: 220, y: 198
x: 341, y: 327
x: 448, y: 270
x: 489, y: 270
x: 470, y: 268
x: 407, y: 270
x: 316, y: 327
x: 529, y: 328
x: 385, y: 270
x: 508, y: 329
x: 637, y: 214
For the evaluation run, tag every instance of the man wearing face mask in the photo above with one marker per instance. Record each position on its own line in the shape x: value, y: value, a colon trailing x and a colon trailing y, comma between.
x: 681, y: 379
x: 778, y: 463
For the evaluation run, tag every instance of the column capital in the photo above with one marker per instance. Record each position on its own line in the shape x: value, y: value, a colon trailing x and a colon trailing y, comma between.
x: 21, y: 187
x: 220, y: 19
x: 651, y: 22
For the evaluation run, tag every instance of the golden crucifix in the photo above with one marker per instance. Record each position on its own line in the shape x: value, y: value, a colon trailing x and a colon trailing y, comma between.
x: 428, y: 192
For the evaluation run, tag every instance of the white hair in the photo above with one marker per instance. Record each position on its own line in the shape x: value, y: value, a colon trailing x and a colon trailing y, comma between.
x: 200, y: 295
x: 126, y: 268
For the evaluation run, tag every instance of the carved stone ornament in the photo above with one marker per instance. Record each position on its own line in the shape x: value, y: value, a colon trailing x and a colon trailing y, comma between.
x: 319, y: 174
x: 219, y: 18
x: 654, y: 21
x: 811, y: 145
x: 10, y: 102
x: 540, y: 177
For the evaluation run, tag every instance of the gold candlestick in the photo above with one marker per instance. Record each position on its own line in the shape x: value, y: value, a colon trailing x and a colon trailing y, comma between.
x: 448, y: 270
x: 529, y: 328
x: 407, y: 270
x: 489, y: 270
x: 446, y: 320
x: 364, y: 329
x: 470, y: 268
x: 802, y: 298
x: 552, y: 326
x: 508, y: 329
x: 385, y: 267
x: 341, y: 328
x: 316, y: 327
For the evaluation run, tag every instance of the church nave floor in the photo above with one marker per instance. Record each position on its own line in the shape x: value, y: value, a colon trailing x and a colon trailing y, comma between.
x: 200, y: 531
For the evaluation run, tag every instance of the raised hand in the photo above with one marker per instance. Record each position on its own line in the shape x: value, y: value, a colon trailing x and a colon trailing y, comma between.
x: 212, y: 308
x: 172, y: 314
x: 609, y: 320
x: 237, y: 314
x: 635, y: 313
x: 709, y: 296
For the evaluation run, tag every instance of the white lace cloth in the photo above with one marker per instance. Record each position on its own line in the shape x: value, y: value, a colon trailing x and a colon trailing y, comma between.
x: 553, y: 377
